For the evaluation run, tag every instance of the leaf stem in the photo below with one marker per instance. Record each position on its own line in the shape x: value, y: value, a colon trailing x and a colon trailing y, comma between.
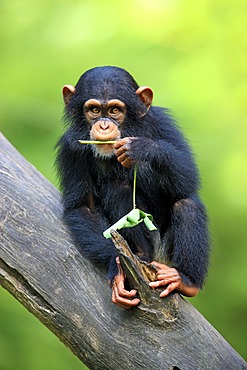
x: 96, y: 142
x: 134, y: 187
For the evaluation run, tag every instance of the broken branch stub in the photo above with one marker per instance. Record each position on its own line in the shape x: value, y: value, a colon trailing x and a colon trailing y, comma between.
x: 139, y: 274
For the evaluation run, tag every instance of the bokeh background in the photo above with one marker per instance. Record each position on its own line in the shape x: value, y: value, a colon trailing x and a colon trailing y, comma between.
x: 193, y: 54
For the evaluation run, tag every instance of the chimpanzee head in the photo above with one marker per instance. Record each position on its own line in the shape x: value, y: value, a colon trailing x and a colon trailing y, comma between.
x: 106, y: 98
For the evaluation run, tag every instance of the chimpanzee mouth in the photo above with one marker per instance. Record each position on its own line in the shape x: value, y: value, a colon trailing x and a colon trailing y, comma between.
x: 103, y: 150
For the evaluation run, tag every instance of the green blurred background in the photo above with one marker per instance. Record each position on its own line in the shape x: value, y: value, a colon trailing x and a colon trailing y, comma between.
x: 193, y: 54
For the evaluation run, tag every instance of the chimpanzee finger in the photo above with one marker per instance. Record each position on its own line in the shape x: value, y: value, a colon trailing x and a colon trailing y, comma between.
x: 169, y: 289
x: 122, y: 292
x: 124, y: 140
x: 121, y: 301
x: 127, y: 163
x: 119, y: 143
x: 116, y: 301
x: 169, y: 275
x: 165, y: 281
x: 118, y: 284
x: 121, y: 157
x: 160, y: 266
x: 157, y: 284
x: 120, y: 151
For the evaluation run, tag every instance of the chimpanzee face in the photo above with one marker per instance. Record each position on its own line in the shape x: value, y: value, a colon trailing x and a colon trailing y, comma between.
x: 106, y: 99
x: 105, y: 120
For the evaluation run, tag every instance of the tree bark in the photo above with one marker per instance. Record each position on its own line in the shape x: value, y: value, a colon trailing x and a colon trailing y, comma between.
x: 41, y: 267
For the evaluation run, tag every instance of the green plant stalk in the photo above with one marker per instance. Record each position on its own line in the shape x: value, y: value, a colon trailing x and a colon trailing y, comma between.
x: 97, y: 142
x: 134, y: 187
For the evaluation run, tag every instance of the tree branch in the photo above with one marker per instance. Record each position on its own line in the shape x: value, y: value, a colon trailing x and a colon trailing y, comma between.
x: 41, y: 267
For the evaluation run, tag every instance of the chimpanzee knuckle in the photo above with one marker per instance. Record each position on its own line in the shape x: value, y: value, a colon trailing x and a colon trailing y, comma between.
x: 121, y: 157
x: 120, y: 143
x: 126, y: 140
x: 174, y: 285
x: 122, y: 292
x: 135, y: 302
x: 118, y: 298
x: 116, y: 280
x: 133, y: 292
x: 177, y: 276
x: 164, y: 282
x: 123, y: 301
x: 120, y: 151
x: 161, y: 277
x: 113, y: 296
x: 127, y: 163
x: 117, y: 153
x: 127, y: 147
x: 124, y: 164
x: 156, y: 264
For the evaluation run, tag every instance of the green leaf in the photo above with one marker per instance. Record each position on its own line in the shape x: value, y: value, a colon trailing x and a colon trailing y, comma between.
x: 148, y: 220
x: 133, y: 218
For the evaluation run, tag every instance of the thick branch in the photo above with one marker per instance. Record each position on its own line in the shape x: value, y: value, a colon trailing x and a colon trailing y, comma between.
x: 42, y: 268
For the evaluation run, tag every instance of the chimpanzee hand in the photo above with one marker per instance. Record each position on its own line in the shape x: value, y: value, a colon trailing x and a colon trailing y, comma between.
x: 120, y: 296
x: 123, y: 151
x: 170, y: 277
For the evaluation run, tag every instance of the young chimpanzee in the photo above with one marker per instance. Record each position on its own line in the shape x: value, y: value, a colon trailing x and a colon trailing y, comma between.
x: 97, y: 181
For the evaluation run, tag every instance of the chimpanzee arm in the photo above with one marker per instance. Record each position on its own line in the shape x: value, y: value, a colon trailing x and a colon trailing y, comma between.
x: 85, y: 223
x: 87, y: 227
x: 171, y: 164
x: 188, y: 242
x: 189, y: 239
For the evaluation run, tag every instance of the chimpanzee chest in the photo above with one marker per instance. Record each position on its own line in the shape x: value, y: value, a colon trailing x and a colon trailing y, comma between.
x: 115, y: 198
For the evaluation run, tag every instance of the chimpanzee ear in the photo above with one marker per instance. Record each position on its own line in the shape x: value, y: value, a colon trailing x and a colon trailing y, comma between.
x: 146, y: 95
x: 68, y: 92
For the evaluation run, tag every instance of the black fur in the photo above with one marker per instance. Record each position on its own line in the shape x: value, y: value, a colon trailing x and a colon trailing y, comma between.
x: 167, y: 181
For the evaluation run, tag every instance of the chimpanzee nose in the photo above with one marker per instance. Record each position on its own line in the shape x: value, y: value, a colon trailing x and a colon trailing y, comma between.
x: 104, y: 124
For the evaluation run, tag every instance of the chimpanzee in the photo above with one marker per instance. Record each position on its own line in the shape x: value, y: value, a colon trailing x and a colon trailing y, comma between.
x: 97, y: 181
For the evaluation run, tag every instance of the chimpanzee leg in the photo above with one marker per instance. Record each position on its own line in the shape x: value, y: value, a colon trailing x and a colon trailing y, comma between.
x: 188, y: 241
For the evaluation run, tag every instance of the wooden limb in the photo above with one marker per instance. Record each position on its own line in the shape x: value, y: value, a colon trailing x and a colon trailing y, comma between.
x: 41, y: 267
x: 139, y: 274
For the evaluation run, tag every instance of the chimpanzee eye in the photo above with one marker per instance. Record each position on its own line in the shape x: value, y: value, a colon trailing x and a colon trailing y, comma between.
x: 95, y: 110
x: 114, y: 110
